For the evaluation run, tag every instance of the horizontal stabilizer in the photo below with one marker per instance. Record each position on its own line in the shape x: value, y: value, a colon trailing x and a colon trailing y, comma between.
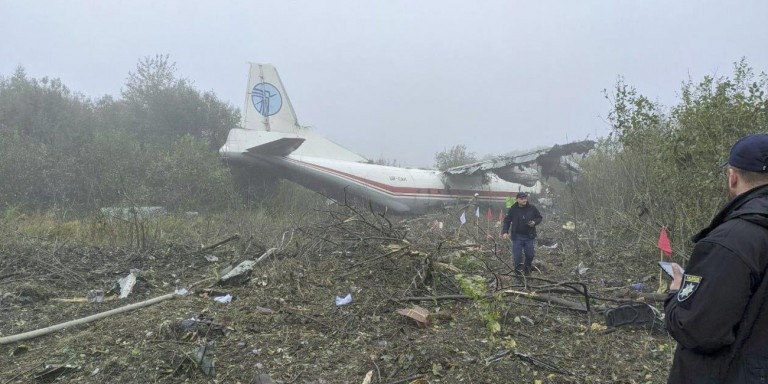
x: 280, y: 147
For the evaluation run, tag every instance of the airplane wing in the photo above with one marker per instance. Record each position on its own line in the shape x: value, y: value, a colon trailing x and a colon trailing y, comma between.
x: 280, y: 147
x: 522, y: 169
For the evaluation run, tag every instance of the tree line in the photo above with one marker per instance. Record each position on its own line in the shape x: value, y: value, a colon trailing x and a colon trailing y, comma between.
x: 154, y: 145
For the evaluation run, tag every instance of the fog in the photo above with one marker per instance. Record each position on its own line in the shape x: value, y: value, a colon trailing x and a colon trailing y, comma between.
x: 402, y: 80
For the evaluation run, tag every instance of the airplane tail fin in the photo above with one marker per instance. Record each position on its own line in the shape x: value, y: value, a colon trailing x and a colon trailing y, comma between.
x: 267, y: 107
x: 269, y: 115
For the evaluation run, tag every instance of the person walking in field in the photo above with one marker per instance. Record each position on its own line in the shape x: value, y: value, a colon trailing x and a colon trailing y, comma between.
x: 520, y: 226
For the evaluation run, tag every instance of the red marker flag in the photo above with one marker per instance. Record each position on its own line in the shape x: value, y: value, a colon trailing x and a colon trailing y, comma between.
x: 501, y: 217
x: 490, y: 214
x: 664, y: 244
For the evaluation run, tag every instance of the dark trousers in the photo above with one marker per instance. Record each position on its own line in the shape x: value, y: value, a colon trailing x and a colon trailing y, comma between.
x: 523, y: 244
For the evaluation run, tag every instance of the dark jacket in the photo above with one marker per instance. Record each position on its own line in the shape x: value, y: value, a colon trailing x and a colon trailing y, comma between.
x: 516, y: 221
x: 719, y: 317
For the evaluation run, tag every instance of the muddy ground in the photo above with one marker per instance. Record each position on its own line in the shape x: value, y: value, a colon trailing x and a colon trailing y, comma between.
x: 283, y: 323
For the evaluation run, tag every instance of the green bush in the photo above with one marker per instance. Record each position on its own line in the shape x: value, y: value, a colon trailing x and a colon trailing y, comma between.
x: 659, y: 165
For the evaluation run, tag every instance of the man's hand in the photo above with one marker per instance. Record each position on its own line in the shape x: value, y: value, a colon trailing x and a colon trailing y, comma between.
x: 677, y: 280
x: 531, y: 223
x: 505, y: 236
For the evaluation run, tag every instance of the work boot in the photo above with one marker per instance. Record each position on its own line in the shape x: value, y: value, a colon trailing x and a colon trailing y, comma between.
x: 527, y: 271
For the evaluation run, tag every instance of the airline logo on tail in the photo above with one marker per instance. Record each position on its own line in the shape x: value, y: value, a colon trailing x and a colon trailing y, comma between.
x: 266, y: 99
x: 268, y: 116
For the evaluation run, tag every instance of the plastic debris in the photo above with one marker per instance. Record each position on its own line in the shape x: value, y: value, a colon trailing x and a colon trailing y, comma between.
x: 581, y: 269
x: 95, y: 296
x: 637, y: 287
x: 569, y: 226
x: 211, y: 258
x: 223, y: 299
x: 204, y: 357
x: 344, y: 300
x: 368, y: 377
x: 127, y: 283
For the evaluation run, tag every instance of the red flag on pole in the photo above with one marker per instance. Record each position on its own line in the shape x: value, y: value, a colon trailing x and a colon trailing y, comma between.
x: 490, y: 214
x: 664, y: 244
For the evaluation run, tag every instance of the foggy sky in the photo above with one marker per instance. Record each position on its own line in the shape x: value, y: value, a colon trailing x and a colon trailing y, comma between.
x: 402, y: 79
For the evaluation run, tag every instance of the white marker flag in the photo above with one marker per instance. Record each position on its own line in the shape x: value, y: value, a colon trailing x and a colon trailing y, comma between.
x: 477, y: 211
x: 463, y: 218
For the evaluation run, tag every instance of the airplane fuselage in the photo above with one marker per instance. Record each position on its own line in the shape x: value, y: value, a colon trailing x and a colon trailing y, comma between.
x: 271, y: 142
x: 403, y: 190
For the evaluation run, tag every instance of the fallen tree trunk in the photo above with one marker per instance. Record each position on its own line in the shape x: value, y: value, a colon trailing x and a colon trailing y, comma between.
x: 548, y: 299
x: 84, y: 320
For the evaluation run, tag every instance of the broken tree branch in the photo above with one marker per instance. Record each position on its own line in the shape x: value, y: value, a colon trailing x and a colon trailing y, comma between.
x: 88, y: 319
x: 529, y: 295
x: 84, y: 320
x: 220, y: 243
x: 541, y: 364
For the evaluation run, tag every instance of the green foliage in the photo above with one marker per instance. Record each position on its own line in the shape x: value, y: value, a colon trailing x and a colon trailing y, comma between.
x: 457, y: 155
x: 42, y: 124
x: 156, y: 146
x: 162, y: 107
x: 659, y: 165
x: 187, y: 176
x: 467, y: 261
x: 489, y: 308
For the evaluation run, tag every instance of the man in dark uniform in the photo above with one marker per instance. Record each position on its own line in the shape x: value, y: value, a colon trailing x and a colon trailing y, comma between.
x: 521, y: 221
x: 717, y: 311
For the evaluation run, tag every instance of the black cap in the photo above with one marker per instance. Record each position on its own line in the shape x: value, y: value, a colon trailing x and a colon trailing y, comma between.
x: 750, y: 153
x: 521, y: 194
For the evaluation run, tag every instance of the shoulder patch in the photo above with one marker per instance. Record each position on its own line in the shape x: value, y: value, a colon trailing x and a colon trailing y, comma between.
x: 690, y: 285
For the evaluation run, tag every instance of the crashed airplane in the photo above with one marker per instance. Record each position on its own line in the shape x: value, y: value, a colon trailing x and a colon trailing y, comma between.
x: 272, y: 143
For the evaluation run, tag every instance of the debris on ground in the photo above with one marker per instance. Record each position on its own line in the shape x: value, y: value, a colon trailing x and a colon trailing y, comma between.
x: 127, y: 283
x: 54, y: 372
x: 412, y: 321
x: 343, y: 300
x: 421, y: 315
